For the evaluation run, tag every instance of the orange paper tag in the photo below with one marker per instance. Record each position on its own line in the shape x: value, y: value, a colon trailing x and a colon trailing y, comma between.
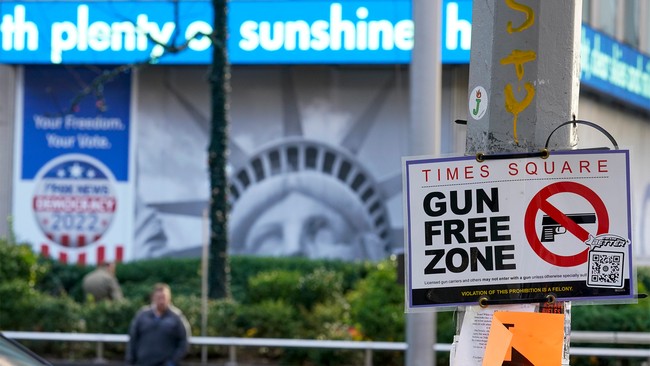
x: 534, y: 339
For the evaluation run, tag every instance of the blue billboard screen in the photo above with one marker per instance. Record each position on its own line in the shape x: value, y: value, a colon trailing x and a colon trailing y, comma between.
x: 268, y: 32
x: 273, y: 32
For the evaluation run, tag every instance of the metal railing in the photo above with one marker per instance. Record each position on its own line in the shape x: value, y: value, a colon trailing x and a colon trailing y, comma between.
x: 623, y: 338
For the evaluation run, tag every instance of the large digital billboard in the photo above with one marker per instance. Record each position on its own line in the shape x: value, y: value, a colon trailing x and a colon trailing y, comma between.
x: 267, y: 32
x: 273, y: 32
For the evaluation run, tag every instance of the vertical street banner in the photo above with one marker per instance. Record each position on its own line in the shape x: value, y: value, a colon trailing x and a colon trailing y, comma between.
x: 517, y: 228
x: 73, y: 191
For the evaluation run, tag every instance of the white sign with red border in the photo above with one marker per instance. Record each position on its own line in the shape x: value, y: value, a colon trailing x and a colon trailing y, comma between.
x: 512, y: 229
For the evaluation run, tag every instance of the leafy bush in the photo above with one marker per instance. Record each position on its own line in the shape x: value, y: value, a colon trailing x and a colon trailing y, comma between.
x: 271, y: 297
x: 303, y: 290
x: 270, y: 319
x: 377, y: 305
x: 112, y: 317
x: 56, y: 314
x: 221, y: 318
x: 377, y: 309
x: 18, y: 300
x: 141, y: 292
x: 619, y: 317
x: 273, y: 285
x: 30, y: 310
x: 242, y: 268
x: 191, y: 308
x: 62, y: 279
x: 319, y: 286
x: 18, y: 261
x: 182, y: 274
x: 643, y: 278
x: 329, y: 320
x: 446, y: 326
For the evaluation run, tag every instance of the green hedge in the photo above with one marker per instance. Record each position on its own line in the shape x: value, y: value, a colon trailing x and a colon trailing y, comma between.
x: 18, y: 261
x: 242, y: 268
x: 136, y: 278
x: 271, y: 297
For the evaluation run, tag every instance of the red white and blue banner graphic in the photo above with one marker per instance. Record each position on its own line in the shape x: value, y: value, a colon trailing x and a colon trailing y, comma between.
x: 73, y: 196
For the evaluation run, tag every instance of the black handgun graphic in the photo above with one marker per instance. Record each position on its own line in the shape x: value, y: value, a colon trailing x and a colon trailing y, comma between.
x: 550, y: 227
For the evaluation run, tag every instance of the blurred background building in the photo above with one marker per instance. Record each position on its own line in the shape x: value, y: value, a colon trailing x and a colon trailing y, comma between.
x: 102, y: 161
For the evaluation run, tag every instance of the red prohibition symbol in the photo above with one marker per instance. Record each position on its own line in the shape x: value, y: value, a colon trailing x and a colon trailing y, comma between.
x: 540, y: 202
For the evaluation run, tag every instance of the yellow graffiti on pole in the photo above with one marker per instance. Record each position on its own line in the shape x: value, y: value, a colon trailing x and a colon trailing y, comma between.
x: 515, y: 107
x: 530, y: 16
x: 519, y: 58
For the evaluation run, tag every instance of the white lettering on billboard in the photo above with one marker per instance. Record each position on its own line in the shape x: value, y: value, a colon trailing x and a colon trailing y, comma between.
x: 335, y: 34
x: 457, y: 28
x: 15, y: 30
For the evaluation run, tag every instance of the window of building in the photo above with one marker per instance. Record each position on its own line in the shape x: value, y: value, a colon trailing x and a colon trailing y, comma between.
x: 605, y: 17
x: 631, y: 23
x: 644, y: 28
x: 586, y: 11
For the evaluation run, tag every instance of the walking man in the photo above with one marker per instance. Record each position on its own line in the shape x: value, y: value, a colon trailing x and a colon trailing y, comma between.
x: 159, y: 334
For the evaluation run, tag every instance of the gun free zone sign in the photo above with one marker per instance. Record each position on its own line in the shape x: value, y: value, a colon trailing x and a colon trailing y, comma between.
x: 517, y: 228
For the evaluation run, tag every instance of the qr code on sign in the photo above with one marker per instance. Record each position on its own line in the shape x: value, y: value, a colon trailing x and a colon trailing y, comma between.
x: 605, y: 269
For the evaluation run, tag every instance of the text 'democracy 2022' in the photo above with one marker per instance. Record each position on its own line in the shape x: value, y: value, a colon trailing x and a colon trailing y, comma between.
x: 510, y: 229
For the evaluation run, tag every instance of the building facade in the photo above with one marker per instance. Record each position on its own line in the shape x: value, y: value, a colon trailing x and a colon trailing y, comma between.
x: 104, y: 133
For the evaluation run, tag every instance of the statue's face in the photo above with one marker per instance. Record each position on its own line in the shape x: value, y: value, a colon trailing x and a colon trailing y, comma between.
x: 299, y: 225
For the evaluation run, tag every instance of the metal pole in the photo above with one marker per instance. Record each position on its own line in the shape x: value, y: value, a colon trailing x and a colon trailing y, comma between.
x: 232, y: 356
x: 425, y: 138
x: 205, y: 253
x: 218, y: 154
x: 527, y: 61
x: 8, y: 75
x: 100, y: 353
x: 368, y: 357
x: 524, y: 80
